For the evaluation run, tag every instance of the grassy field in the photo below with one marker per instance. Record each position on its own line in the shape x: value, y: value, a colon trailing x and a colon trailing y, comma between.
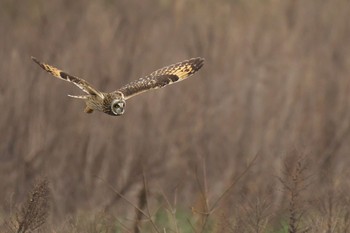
x: 257, y: 141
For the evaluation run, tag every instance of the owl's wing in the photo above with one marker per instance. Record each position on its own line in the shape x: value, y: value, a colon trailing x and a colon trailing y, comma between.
x: 81, y: 83
x: 162, y: 77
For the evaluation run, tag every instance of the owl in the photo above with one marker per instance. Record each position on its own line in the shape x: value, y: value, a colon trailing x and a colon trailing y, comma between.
x: 113, y: 103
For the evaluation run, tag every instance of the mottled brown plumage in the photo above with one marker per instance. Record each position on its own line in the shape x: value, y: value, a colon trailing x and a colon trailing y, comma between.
x: 113, y: 103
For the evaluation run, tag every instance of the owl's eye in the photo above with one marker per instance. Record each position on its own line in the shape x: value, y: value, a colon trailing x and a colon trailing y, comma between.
x: 117, y: 107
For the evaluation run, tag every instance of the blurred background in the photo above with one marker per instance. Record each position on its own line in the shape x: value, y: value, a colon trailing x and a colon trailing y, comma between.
x: 275, y: 85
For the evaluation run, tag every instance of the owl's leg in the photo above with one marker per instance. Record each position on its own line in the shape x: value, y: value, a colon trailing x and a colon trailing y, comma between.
x: 88, y: 110
x: 83, y: 97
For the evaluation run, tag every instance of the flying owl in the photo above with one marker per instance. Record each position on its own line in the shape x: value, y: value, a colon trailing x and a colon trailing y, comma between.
x: 113, y: 103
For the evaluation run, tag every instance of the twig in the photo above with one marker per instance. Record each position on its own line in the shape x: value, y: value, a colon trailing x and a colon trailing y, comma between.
x: 234, y: 183
x: 147, y: 206
x: 122, y: 196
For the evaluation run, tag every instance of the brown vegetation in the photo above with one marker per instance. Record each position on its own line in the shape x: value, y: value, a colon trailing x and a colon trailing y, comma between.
x: 275, y: 84
x: 33, y: 214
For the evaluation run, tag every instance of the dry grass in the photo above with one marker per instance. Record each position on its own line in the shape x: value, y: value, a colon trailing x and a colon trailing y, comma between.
x: 275, y: 83
x: 33, y: 213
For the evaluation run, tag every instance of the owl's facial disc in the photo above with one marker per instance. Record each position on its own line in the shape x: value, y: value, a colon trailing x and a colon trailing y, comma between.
x: 117, y: 107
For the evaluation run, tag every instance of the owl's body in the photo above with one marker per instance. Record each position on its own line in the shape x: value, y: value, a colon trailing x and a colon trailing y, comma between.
x: 94, y: 102
x: 113, y: 103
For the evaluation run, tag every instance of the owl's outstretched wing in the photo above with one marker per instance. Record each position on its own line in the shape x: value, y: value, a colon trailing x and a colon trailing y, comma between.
x: 162, y: 77
x: 81, y: 83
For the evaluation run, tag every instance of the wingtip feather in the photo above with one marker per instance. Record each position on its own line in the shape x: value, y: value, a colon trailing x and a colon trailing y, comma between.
x: 37, y: 62
x: 197, y: 63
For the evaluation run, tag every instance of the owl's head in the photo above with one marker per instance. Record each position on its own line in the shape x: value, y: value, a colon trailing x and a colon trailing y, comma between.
x: 117, y: 106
